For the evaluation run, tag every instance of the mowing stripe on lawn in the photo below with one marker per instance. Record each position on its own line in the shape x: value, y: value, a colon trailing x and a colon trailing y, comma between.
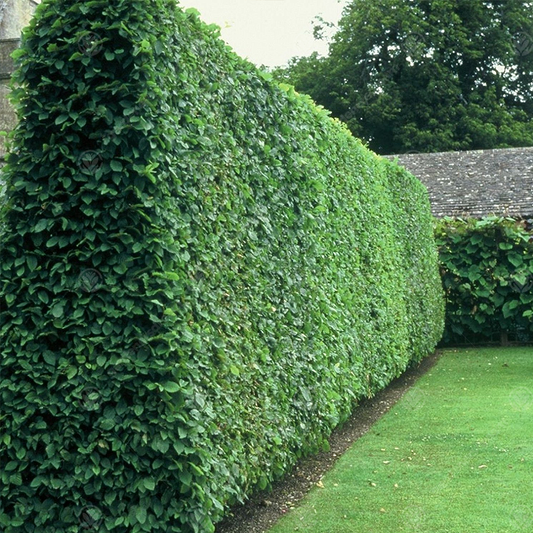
x: 454, y: 455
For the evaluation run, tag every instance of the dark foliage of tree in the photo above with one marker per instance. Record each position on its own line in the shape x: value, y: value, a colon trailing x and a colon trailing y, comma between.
x: 426, y: 75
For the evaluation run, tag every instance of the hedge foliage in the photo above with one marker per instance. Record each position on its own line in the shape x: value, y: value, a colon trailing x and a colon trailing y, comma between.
x: 487, y: 272
x: 201, y: 273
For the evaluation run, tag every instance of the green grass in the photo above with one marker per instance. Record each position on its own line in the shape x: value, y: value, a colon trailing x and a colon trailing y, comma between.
x: 455, y: 455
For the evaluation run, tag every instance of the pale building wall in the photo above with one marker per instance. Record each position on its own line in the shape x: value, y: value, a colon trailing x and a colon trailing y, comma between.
x: 14, y: 15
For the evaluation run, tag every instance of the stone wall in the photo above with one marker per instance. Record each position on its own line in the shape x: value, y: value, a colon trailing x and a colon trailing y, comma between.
x: 7, y: 116
x: 14, y: 15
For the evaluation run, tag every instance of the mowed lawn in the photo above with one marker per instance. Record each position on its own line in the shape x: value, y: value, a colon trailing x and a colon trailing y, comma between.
x: 455, y: 455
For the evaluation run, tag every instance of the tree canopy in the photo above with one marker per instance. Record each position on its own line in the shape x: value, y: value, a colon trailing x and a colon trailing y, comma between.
x: 420, y: 75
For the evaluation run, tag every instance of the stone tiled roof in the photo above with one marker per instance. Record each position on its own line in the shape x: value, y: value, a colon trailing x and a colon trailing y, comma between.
x: 476, y: 183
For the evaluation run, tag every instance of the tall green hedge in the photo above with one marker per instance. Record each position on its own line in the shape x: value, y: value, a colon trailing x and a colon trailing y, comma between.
x: 200, y: 274
x: 487, y: 272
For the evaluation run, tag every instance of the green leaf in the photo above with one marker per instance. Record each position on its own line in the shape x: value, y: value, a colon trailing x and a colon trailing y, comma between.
x: 140, y: 514
x: 50, y: 357
x: 116, y: 166
x: 11, y: 465
x: 515, y: 259
x: 43, y: 296
x: 16, y: 479
x: 10, y: 298
x: 163, y: 446
x: 61, y: 119
x: 185, y: 478
x: 57, y: 310
x: 171, y: 386
x: 21, y: 453
x: 107, y: 424
x: 32, y: 262
x: 149, y: 483
x: 41, y: 225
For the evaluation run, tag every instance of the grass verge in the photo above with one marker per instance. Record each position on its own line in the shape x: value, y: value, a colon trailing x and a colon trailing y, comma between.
x: 454, y: 455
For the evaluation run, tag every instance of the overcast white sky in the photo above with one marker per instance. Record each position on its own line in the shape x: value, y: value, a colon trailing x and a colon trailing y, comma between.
x: 269, y: 32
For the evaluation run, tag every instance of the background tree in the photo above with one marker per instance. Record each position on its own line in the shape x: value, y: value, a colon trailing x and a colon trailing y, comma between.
x: 428, y: 75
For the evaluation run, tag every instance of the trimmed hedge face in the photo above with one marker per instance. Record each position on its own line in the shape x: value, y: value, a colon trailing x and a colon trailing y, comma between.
x: 487, y: 272
x: 201, y: 274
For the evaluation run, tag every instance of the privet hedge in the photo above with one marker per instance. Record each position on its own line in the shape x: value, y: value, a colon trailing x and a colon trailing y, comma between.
x: 487, y: 272
x: 201, y: 273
